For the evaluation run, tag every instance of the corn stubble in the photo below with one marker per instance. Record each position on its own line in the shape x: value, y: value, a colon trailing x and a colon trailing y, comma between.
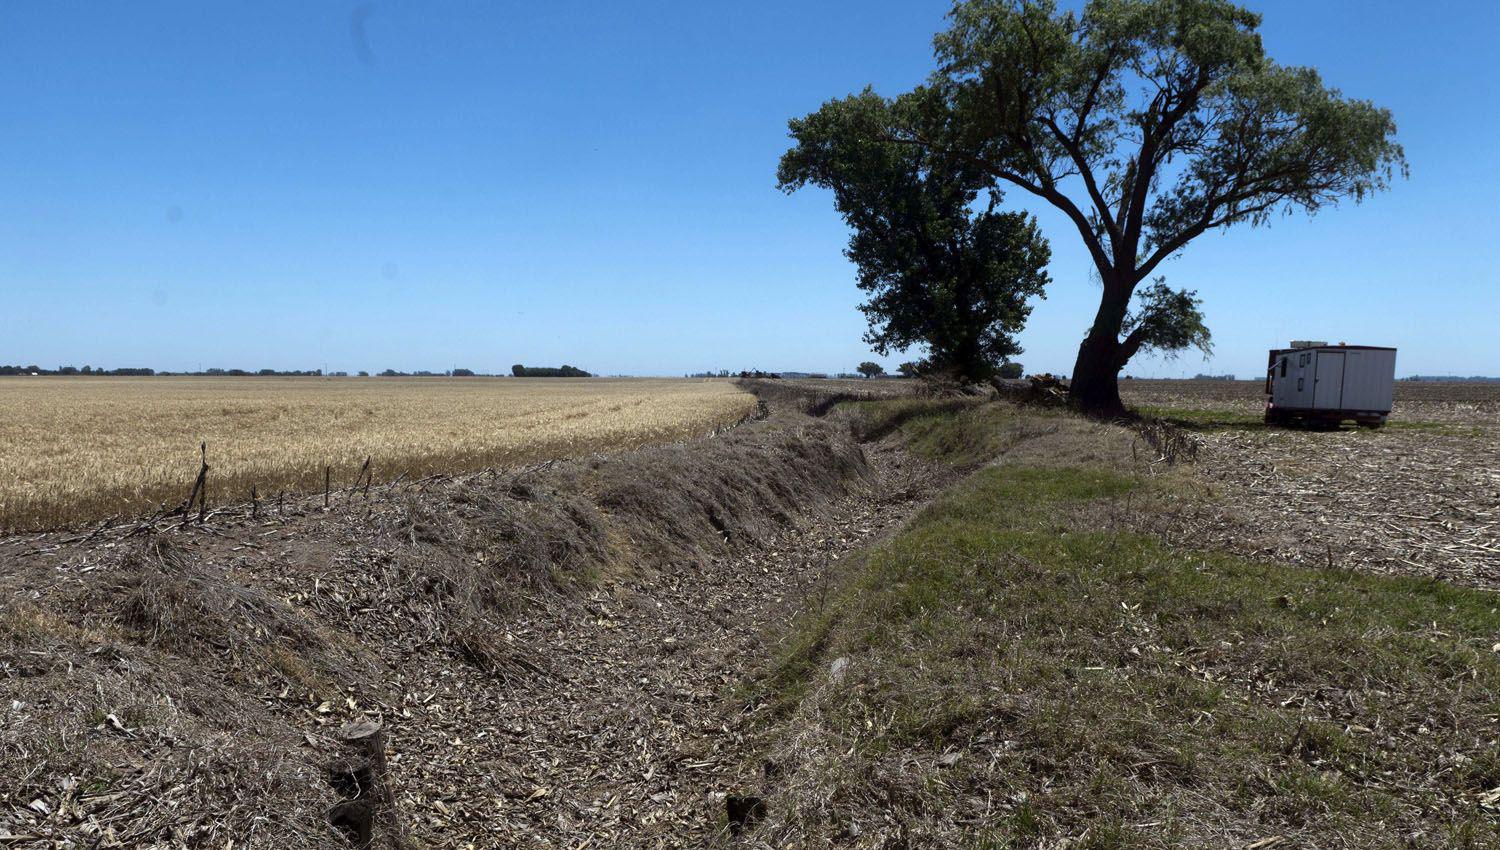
x: 74, y: 450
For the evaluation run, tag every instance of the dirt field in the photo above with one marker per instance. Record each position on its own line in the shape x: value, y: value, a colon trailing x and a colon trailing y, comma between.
x: 79, y: 449
x: 1458, y: 403
x: 1421, y: 496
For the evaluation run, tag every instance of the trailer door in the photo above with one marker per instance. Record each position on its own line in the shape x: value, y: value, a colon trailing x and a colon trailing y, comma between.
x: 1328, y: 386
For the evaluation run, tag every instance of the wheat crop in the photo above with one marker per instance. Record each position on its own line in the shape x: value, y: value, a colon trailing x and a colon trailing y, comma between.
x: 77, y: 449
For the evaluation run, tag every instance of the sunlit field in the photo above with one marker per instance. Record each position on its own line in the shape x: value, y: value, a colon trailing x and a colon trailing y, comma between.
x: 81, y: 449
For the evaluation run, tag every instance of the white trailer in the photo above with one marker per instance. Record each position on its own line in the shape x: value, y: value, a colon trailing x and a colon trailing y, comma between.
x: 1321, y: 385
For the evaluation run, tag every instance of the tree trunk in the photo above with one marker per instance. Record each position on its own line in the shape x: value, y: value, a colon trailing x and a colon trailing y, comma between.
x: 1095, y: 386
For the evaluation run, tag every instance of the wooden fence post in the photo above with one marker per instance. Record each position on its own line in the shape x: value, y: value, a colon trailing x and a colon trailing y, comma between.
x: 200, y: 485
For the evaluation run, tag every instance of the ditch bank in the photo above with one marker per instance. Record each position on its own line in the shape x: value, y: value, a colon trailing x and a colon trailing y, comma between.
x: 528, y: 653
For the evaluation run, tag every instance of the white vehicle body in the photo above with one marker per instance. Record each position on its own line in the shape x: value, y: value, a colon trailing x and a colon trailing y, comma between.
x: 1326, y: 384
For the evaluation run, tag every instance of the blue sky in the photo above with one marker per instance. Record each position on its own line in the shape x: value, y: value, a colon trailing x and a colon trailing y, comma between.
x: 254, y: 184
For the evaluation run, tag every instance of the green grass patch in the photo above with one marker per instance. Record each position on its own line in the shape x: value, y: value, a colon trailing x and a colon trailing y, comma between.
x: 1106, y: 680
x: 962, y: 432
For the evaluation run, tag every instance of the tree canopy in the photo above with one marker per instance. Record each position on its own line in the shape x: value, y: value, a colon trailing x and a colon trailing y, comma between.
x: 1146, y: 123
x: 940, y: 274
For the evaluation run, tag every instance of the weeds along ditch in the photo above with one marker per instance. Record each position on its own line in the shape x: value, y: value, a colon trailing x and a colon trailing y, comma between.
x: 1020, y: 668
x: 187, y: 684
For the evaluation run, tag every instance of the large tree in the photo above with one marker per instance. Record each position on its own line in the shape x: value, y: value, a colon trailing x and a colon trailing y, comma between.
x: 1147, y: 123
x: 941, y: 273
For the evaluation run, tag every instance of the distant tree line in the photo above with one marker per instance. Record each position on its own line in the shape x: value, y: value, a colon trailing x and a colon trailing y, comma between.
x: 72, y: 370
x: 517, y: 371
x: 142, y: 371
x: 914, y: 369
x: 563, y: 371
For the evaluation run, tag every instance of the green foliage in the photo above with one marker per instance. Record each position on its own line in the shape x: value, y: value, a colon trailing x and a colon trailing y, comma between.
x: 940, y: 274
x: 1011, y: 370
x: 1147, y: 123
x: 564, y: 371
x: 1167, y: 321
x: 1169, y: 111
x: 870, y: 369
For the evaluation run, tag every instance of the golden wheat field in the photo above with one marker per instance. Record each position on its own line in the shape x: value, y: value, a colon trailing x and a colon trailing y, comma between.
x: 77, y: 449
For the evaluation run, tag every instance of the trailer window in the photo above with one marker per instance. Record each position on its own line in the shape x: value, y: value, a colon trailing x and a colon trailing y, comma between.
x: 1299, y: 385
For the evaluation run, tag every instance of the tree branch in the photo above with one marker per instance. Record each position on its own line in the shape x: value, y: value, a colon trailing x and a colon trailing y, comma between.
x: 1070, y: 145
x: 1132, y: 344
x: 1149, y: 159
x: 1048, y: 193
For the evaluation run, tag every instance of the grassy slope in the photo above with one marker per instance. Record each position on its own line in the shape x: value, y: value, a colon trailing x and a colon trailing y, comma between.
x: 1016, y: 675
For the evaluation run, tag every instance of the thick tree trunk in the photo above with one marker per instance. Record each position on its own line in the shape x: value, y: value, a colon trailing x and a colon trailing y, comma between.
x: 1095, y: 386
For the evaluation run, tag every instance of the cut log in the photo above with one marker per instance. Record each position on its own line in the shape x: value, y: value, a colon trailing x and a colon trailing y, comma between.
x: 367, y: 816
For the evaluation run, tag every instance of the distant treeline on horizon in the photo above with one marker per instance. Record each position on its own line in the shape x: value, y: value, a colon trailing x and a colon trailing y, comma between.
x: 516, y: 371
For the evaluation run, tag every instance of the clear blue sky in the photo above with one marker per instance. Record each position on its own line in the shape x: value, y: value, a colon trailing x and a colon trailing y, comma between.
x: 250, y: 184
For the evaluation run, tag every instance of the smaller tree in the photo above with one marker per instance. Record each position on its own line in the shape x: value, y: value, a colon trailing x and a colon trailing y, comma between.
x: 1011, y: 370
x: 942, y: 273
x: 909, y: 369
x: 870, y: 369
x: 1166, y: 321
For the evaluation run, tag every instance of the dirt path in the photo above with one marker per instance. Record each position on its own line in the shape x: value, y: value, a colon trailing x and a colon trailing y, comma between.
x: 626, y: 739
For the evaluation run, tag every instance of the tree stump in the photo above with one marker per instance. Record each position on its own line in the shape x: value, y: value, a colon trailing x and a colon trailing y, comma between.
x: 367, y: 814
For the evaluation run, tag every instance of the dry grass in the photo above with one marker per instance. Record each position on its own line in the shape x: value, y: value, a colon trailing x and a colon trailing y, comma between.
x: 79, y: 449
